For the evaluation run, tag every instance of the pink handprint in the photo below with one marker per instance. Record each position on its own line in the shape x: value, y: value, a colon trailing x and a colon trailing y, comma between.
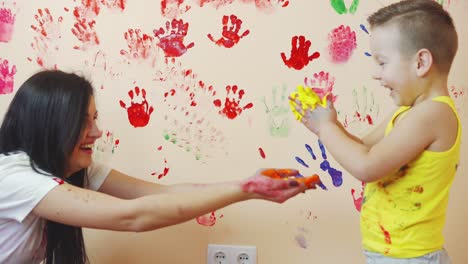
x: 140, y: 46
x: 138, y: 113
x: 171, y: 40
x: 6, y: 77
x: 231, y: 108
x: 7, y: 23
x: 342, y: 44
x: 322, y: 84
x: 230, y: 36
x: 299, y: 53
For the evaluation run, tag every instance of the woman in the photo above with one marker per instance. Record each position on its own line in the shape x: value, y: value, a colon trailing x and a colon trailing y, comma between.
x: 50, y: 187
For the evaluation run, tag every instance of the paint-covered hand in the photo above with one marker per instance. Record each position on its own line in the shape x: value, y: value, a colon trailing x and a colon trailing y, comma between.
x: 313, y: 119
x: 275, y: 189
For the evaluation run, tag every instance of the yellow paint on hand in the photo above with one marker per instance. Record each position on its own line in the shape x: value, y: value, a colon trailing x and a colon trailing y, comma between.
x: 308, y: 98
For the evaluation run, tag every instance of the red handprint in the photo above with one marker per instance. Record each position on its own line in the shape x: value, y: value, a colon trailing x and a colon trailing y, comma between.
x: 299, y: 53
x: 114, y: 4
x: 44, y: 44
x: 172, y: 8
x: 140, y: 46
x: 138, y: 113
x: 230, y: 36
x: 85, y: 33
x: 231, y: 108
x: 173, y: 42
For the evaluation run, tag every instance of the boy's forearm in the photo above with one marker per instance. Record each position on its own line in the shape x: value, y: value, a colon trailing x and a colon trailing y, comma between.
x: 346, y: 149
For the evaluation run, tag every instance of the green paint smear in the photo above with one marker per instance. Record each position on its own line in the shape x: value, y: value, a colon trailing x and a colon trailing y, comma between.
x: 340, y: 6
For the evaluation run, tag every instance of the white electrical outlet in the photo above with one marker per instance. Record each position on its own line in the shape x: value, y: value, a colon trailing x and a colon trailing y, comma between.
x: 231, y: 254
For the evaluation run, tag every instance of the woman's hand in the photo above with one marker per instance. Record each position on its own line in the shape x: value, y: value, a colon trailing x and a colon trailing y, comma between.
x: 273, y: 189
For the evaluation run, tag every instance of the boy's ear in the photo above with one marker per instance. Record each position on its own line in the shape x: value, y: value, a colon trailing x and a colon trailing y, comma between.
x: 423, y: 62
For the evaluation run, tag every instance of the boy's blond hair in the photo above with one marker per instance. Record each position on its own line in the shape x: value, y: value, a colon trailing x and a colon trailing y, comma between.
x: 423, y: 24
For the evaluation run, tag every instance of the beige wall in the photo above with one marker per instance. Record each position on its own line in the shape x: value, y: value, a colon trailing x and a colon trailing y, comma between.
x: 326, y: 220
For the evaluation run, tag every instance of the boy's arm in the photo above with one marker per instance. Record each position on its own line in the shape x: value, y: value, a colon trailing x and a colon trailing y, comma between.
x: 376, y: 158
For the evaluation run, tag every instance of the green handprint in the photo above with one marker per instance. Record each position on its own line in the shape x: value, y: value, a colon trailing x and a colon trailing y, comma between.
x: 340, y: 6
x: 365, y: 109
x: 278, y: 113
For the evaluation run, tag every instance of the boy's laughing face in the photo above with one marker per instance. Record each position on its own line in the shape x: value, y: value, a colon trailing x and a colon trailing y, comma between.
x: 394, y: 70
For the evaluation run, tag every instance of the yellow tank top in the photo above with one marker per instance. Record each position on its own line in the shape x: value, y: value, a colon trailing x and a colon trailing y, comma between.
x: 403, y: 214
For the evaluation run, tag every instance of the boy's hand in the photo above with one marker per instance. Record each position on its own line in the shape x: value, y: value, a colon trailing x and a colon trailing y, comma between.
x: 314, y: 119
x: 271, y: 188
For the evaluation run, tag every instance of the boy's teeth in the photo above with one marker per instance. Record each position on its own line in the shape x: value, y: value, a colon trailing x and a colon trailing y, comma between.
x: 88, y: 146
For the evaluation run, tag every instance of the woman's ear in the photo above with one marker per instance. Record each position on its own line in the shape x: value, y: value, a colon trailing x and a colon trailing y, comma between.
x: 423, y: 62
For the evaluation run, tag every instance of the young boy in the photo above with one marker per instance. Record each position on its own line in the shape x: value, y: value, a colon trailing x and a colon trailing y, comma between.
x: 408, y: 162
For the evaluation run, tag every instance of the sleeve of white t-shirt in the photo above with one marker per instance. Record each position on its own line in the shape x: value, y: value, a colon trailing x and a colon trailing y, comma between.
x: 97, y: 173
x: 21, y: 191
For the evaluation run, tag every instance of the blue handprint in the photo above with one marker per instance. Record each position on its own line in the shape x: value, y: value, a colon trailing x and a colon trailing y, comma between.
x: 335, y: 174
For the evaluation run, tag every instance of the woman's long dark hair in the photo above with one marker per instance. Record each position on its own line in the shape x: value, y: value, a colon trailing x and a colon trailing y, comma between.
x: 45, y: 120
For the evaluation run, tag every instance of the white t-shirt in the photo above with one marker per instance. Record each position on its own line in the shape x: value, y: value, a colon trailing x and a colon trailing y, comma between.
x: 22, y: 236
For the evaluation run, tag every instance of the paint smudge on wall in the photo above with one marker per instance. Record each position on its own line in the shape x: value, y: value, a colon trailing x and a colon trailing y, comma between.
x: 367, y: 32
x: 104, y: 69
x: 340, y: 7
x: 342, y: 43
x: 141, y: 47
x: 458, y: 94
x: 231, y: 107
x: 262, y: 153
x: 108, y: 143
x: 299, y: 57
x: 230, y: 34
x: 45, y: 43
x: 301, y: 239
x: 171, y: 39
x: 173, y: 8
x: 266, y: 6
x: 278, y: 117
x: 358, y: 200
x: 189, y: 103
x: 336, y: 175
x: 7, y: 22
x: 164, y: 172
x: 208, y: 219
x: 365, y: 111
x: 7, y: 80
x: 139, y: 111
